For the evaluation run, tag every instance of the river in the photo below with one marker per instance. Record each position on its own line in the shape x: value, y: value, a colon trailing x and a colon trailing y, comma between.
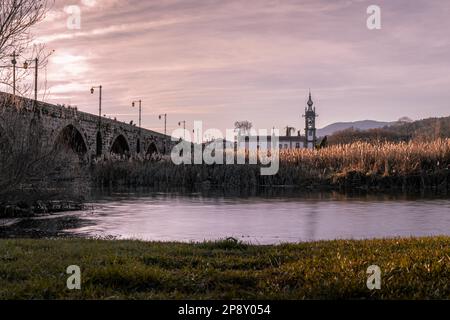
x: 259, y: 219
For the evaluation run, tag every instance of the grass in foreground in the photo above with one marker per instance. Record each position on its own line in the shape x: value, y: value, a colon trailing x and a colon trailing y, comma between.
x: 411, y: 269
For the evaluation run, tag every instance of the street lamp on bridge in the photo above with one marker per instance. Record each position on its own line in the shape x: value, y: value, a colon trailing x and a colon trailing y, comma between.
x: 165, y: 122
x: 184, y: 128
x: 133, y: 104
x: 99, y: 102
x: 14, y: 62
x: 26, y: 64
x: 36, y: 68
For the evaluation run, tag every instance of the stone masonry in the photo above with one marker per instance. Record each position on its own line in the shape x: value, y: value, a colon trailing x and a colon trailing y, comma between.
x: 90, y: 135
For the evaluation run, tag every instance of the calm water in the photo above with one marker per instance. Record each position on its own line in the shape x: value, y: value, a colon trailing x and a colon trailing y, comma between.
x: 264, y: 220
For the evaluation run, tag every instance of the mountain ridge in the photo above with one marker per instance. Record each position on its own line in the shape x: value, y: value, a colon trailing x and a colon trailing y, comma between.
x: 361, y: 125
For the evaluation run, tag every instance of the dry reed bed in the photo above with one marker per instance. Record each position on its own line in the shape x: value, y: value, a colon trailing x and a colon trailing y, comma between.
x: 379, y: 158
x: 427, y: 163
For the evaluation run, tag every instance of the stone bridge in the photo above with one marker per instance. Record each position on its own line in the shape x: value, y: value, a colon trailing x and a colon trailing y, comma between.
x: 88, y: 135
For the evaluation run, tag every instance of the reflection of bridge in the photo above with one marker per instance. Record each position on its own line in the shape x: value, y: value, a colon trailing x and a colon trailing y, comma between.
x: 84, y: 133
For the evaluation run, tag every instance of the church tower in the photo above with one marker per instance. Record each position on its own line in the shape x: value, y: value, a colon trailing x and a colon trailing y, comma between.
x: 310, y: 124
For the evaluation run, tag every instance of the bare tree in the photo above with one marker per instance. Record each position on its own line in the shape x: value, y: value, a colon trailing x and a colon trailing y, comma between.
x: 29, y: 166
x: 17, y: 17
x: 289, y: 131
x: 243, y: 127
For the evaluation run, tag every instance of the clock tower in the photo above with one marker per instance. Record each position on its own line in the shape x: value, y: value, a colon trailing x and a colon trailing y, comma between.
x: 310, y: 124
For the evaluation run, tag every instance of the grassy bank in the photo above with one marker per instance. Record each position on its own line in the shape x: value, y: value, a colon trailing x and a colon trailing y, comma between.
x: 412, y: 166
x: 411, y: 268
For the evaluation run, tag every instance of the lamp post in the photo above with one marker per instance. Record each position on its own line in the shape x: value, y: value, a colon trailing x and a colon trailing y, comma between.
x: 14, y: 62
x: 133, y: 104
x: 165, y: 122
x: 13, y: 65
x: 26, y: 64
x: 198, y: 136
x: 184, y: 128
x: 36, y: 68
x: 99, y: 102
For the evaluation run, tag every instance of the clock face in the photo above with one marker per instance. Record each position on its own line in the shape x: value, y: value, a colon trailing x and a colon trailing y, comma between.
x: 310, y: 123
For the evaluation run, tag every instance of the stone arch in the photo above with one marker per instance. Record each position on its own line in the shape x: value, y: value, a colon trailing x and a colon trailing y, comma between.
x: 34, y: 130
x: 152, y: 149
x: 98, y: 144
x: 138, y: 145
x: 71, y: 138
x: 5, y: 143
x: 120, y: 145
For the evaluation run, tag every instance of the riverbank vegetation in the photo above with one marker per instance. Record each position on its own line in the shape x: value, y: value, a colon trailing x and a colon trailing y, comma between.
x: 33, y: 181
x: 412, y: 166
x: 35, y: 176
x: 410, y: 269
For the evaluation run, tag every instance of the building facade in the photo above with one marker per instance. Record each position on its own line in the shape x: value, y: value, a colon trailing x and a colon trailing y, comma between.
x: 293, y: 139
x: 309, y: 140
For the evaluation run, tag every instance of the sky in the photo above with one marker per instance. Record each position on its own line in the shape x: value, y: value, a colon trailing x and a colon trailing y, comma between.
x: 221, y: 61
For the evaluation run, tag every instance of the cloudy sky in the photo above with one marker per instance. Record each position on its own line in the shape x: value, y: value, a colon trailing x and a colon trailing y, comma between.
x: 225, y: 60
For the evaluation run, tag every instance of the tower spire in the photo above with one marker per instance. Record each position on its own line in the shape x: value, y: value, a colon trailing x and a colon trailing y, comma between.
x: 310, y: 102
x: 310, y: 124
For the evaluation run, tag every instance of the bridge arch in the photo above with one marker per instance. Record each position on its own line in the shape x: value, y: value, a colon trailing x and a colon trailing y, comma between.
x: 138, y: 146
x: 5, y: 143
x: 98, y: 144
x: 70, y: 137
x: 120, y: 145
x: 152, y: 149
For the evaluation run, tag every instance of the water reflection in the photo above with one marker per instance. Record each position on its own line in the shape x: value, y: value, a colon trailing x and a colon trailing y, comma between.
x: 259, y: 218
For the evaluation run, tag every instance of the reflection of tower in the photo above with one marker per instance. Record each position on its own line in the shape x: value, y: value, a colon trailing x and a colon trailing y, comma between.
x: 310, y: 124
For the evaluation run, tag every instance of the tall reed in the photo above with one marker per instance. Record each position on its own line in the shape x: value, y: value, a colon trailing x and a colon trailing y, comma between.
x: 370, y: 163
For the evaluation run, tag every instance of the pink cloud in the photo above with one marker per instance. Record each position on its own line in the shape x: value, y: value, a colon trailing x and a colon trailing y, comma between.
x: 225, y: 60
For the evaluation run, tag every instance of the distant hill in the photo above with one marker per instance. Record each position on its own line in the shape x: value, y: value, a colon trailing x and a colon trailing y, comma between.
x: 423, y: 130
x: 359, y: 125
